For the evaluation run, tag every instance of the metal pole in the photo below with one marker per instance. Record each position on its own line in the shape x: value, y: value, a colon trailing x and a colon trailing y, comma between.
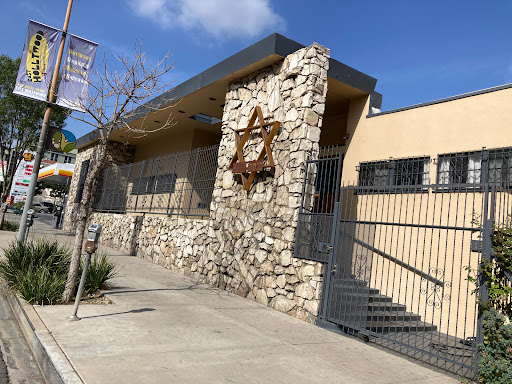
x: 74, y: 317
x: 44, y: 128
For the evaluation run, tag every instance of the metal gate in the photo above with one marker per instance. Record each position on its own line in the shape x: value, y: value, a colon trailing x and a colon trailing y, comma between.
x: 397, y: 258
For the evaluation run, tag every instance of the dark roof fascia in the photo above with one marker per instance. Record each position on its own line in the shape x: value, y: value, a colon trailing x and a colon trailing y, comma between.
x: 274, y: 44
x: 457, y: 97
x: 351, y: 76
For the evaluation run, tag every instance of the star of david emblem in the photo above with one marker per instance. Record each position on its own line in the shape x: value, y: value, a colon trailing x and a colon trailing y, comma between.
x: 249, y: 169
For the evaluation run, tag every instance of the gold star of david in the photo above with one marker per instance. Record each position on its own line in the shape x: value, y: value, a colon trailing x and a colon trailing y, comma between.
x: 242, y: 167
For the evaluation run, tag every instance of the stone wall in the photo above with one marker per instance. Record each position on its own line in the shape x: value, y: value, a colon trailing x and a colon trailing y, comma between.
x: 247, y: 246
x: 117, y: 154
x: 257, y: 227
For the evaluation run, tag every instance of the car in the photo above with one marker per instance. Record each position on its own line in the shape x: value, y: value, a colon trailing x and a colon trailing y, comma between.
x: 39, y: 207
x: 50, y: 206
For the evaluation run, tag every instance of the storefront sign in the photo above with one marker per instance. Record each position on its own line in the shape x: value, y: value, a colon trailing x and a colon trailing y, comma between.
x: 60, y: 140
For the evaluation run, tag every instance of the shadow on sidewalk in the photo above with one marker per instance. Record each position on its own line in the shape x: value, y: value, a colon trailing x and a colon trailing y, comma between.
x: 117, y: 291
x: 141, y: 310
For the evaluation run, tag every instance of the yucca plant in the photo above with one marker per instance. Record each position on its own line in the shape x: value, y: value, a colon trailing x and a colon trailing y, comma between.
x: 37, y: 269
x: 101, y: 271
x: 10, y: 226
x: 40, y: 285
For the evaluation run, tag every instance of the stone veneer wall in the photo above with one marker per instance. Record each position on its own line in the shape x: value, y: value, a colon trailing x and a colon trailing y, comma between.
x: 247, y: 246
x: 117, y: 154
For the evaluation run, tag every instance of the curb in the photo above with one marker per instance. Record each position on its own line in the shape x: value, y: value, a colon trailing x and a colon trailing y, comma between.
x: 53, y: 363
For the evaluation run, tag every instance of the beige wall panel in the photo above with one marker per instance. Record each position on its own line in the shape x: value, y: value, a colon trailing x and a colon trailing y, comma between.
x: 465, y: 124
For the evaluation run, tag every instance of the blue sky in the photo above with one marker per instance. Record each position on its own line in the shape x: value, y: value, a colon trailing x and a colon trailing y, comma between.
x: 418, y: 50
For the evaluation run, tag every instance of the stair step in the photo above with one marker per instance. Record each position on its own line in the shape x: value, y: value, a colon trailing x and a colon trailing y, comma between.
x: 391, y: 316
x: 363, y: 297
x: 354, y: 288
x: 391, y: 326
x: 386, y: 306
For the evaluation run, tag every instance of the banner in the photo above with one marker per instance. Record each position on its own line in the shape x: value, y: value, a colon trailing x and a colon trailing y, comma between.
x: 37, y: 61
x: 76, y: 73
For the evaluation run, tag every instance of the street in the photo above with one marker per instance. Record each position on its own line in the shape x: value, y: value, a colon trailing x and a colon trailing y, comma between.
x: 17, y: 365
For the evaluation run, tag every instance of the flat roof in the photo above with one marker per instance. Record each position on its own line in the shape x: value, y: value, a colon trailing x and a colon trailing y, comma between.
x: 274, y: 45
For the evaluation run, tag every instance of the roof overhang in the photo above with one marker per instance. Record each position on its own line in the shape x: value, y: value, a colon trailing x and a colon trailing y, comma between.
x: 251, y: 59
x: 57, y: 173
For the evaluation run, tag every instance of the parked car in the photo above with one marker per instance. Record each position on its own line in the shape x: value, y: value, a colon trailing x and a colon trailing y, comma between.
x: 39, y: 207
x: 50, y: 206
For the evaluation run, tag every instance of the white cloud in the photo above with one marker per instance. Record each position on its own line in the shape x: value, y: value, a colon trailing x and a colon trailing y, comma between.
x: 219, y: 18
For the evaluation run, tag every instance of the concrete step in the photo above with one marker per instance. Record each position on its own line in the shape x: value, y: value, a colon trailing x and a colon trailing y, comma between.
x: 400, y: 326
x: 392, y: 316
x: 386, y: 306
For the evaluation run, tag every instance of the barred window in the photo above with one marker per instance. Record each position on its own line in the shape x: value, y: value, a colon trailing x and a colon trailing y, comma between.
x: 469, y: 167
x: 500, y: 166
x: 160, y: 184
x: 405, y: 172
x: 84, y: 169
x: 165, y: 183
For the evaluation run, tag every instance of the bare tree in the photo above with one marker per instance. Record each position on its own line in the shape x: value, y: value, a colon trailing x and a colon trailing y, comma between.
x: 117, y: 94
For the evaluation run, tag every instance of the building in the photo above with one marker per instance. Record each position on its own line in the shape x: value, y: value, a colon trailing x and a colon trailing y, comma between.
x: 351, y: 216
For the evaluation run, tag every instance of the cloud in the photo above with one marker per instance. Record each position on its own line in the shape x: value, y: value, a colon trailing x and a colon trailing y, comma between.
x: 220, y: 19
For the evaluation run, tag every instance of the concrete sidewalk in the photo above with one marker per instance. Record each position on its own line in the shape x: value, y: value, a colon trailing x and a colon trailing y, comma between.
x: 166, y: 328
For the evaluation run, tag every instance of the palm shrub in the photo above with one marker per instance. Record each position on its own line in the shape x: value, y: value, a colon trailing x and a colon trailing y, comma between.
x: 36, y: 269
x: 101, y: 271
x: 10, y: 226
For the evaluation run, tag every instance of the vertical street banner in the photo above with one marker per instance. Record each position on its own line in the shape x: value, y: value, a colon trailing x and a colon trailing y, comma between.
x: 76, y: 73
x: 37, y: 61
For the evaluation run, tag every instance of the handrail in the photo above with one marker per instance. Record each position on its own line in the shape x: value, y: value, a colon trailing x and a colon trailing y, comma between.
x: 395, y: 260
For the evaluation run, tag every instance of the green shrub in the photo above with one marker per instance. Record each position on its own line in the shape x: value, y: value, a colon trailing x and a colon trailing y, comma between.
x: 18, y: 205
x: 10, y: 226
x: 101, y: 271
x: 37, y: 269
x: 40, y: 285
x: 495, y: 365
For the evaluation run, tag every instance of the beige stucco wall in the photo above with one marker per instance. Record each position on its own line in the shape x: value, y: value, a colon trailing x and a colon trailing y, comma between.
x: 460, y: 125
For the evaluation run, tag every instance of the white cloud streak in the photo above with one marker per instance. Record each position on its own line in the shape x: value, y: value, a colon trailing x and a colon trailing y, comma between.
x: 218, y: 18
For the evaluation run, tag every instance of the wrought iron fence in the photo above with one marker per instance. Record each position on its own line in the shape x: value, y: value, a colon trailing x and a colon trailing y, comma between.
x: 177, y: 184
x: 396, y: 248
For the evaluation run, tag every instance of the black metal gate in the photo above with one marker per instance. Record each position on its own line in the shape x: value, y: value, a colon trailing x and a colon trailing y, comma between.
x: 397, y: 259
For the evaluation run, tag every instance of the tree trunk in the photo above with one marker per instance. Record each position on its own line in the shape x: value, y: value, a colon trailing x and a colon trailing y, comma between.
x: 81, y: 220
x: 2, y: 220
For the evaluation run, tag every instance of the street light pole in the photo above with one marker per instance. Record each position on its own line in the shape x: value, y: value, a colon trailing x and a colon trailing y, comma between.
x: 44, y: 128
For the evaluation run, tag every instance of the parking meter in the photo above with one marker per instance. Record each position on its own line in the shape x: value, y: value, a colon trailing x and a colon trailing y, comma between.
x: 93, y: 236
x: 4, y: 207
x: 91, y: 245
x: 30, y: 217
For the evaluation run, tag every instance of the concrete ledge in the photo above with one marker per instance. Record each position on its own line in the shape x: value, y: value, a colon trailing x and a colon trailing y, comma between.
x: 53, y: 363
